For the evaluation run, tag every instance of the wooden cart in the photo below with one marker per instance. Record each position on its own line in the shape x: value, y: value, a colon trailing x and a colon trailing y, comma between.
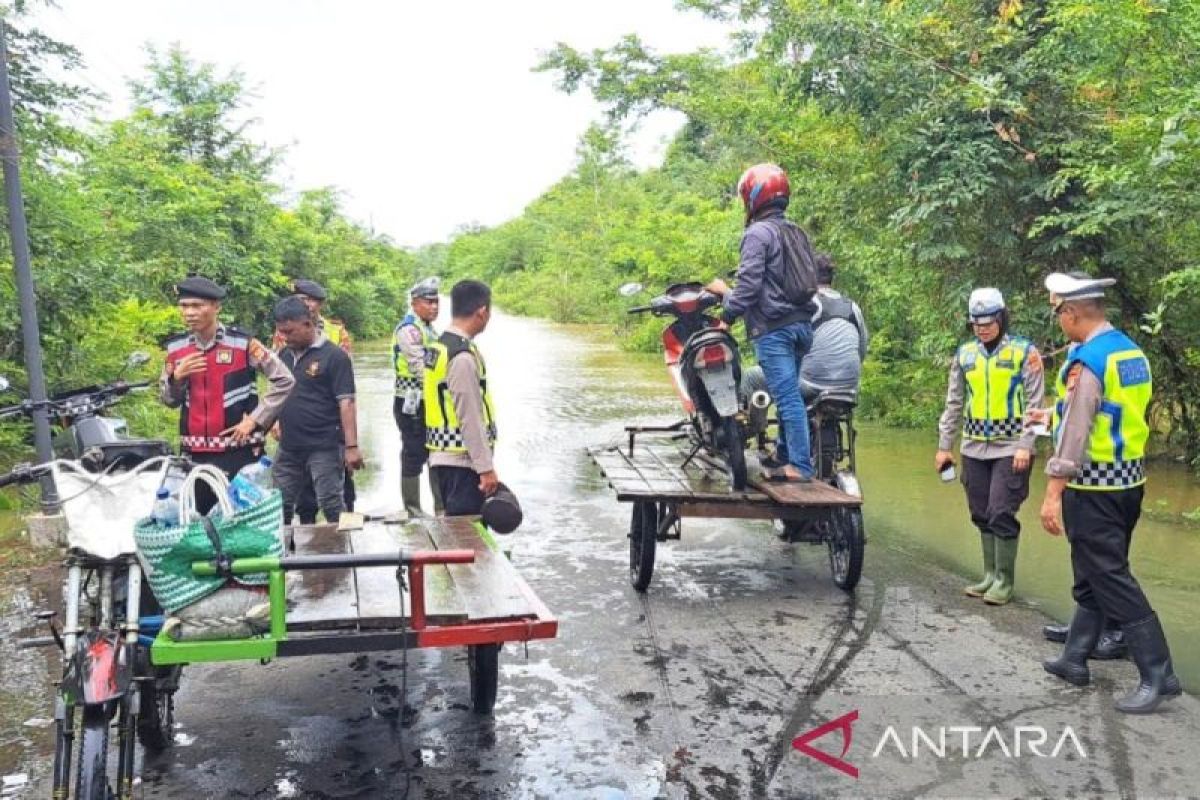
x: 385, y: 584
x: 666, y: 480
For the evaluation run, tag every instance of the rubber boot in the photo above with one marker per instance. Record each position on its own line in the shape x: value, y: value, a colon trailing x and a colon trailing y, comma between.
x: 1157, y: 681
x: 1110, y: 647
x: 410, y: 493
x: 1001, y: 590
x: 989, y: 568
x: 1082, y: 636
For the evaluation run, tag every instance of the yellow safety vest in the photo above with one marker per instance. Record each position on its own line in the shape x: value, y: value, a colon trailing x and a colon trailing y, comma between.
x: 405, y: 379
x: 443, y: 431
x: 995, y: 387
x: 1117, y: 445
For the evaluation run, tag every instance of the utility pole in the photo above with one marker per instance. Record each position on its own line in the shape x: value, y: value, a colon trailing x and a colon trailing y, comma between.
x: 19, y: 236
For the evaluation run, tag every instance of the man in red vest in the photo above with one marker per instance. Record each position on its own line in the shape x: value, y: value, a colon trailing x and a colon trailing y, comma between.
x: 209, y: 375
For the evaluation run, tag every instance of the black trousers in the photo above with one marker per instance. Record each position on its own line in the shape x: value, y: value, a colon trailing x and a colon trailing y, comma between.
x: 413, y: 453
x: 995, y: 494
x: 1100, y: 527
x: 228, y: 462
x: 460, y: 490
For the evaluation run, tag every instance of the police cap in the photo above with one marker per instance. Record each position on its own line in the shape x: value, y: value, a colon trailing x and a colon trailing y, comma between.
x: 1077, y: 285
x: 309, y: 289
x: 427, y: 288
x: 197, y: 286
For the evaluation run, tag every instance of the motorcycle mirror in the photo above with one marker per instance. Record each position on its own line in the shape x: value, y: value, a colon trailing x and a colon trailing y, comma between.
x: 629, y: 289
x: 137, y: 358
x: 3, y: 384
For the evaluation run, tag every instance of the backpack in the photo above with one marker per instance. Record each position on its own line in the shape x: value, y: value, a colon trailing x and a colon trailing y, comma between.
x: 799, y: 278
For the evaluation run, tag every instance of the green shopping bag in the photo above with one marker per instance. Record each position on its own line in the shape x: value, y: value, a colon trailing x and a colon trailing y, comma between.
x: 167, y: 554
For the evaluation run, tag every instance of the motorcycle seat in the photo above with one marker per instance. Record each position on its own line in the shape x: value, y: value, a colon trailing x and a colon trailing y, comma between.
x: 834, y: 398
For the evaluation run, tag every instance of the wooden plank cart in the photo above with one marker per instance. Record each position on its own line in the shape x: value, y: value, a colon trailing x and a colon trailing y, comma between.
x: 666, y: 481
x: 384, y: 583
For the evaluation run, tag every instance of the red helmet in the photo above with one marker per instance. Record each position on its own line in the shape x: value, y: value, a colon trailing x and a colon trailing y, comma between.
x: 761, y: 184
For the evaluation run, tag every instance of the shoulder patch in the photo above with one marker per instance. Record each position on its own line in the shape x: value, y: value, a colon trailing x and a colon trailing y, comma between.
x: 1073, y: 375
x: 1034, y: 359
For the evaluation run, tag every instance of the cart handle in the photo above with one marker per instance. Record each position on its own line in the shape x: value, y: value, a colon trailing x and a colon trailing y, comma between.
x: 248, y: 566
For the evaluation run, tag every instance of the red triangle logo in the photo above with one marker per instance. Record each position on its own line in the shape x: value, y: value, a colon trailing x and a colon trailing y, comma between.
x: 803, y: 743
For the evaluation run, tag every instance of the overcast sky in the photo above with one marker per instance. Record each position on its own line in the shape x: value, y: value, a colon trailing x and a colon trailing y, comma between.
x: 426, y: 115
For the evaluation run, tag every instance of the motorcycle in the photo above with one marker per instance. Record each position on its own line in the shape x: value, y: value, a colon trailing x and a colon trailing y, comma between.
x: 107, y: 480
x: 704, y: 363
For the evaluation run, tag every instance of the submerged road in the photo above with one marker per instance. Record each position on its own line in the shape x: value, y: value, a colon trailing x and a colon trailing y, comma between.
x: 697, y: 688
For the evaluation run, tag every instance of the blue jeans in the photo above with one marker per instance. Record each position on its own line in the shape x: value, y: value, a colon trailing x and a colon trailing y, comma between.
x: 780, y: 352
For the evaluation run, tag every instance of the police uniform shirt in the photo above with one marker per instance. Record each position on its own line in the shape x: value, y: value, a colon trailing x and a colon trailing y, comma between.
x: 462, y: 379
x: 1084, y: 395
x: 312, y: 419
x: 260, y: 358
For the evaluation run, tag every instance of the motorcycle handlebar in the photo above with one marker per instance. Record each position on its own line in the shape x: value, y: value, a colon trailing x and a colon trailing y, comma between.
x: 639, y: 309
x: 23, y: 473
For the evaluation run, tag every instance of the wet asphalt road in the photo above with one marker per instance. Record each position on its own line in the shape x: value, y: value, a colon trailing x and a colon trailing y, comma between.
x: 696, y: 689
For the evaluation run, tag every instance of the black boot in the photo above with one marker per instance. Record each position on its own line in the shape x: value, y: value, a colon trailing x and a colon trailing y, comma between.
x: 1056, y: 633
x: 1082, y: 636
x: 1158, y: 682
x: 1111, y: 645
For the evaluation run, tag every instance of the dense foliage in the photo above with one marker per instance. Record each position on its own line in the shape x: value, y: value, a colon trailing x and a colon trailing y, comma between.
x: 120, y: 211
x: 934, y: 145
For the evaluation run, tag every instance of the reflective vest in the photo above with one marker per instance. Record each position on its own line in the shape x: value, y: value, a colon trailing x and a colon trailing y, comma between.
x: 405, y: 379
x: 218, y: 397
x: 443, y: 431
x: 335, y: 332
x: 1117, y: 445
x: 995, y: 389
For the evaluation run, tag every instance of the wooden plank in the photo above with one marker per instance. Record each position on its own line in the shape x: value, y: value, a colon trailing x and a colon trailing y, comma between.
x: 321, y: 599
x: 378, y: 591
x: 816, y: 493
x: 489, y: 587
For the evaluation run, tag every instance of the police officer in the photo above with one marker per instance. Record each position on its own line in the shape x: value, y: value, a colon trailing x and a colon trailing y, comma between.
x: 459, y: 418
x: 209, y: 376
x: 314, y: 296
x: 1094, y: 493
x: 412, y: 337
x: 993, y: 378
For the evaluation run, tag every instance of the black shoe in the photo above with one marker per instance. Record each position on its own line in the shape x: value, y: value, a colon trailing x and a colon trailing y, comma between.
x: 1082, y: 636
x: 1158, y: 681
x: 771, y: 462
x: 1111, y: 645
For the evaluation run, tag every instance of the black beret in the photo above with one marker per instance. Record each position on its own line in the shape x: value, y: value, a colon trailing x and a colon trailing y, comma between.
x: 309, y: 288
x: 201, y: 287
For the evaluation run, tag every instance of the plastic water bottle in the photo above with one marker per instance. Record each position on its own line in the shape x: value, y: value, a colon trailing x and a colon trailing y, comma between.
x: 251, y: 484
x: 166, y: 509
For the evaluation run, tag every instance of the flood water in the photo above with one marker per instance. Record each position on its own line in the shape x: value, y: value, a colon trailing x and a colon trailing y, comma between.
x: 560, y: 389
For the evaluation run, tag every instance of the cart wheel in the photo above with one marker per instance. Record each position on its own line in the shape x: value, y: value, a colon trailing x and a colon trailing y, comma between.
x: 643, y: 530
x: 483, y: 665
x: 846, y: 544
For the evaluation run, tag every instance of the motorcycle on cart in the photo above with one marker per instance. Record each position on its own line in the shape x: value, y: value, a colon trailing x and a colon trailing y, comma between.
x: 712, y: 476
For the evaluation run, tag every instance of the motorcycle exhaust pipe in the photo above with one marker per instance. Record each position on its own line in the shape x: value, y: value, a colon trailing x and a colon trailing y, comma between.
x: 757, y: 413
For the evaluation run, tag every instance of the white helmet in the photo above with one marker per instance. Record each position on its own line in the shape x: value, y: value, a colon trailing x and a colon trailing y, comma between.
x: 985, y: 304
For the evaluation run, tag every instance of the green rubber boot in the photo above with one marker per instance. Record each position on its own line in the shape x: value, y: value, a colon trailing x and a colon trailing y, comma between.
x: 410, y: 493
x: 989, y: 568
x: 1006, y: 566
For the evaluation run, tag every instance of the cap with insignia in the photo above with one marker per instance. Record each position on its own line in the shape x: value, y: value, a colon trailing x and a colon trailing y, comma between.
x: 197, y: 286
x: 309, y: 289
x: 427, y: 288
x: 1077, y: 285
